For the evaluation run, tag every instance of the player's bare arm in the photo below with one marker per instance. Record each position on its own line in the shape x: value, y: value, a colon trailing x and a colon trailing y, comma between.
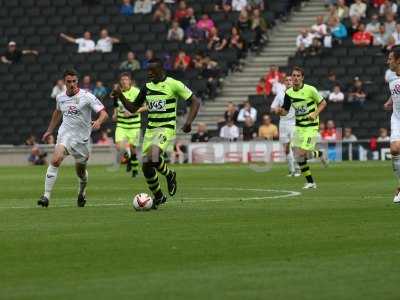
x: 55, y: 120
x: 194, y: 109
x: 130, y: 106
x: 388, y: 104
x: 103, y: 116
x: 321, y: 106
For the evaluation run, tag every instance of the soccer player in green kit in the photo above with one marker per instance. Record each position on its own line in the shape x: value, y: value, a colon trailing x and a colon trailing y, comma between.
x: 308, y: 104
x: 127, y: 131
x: 160, y: 94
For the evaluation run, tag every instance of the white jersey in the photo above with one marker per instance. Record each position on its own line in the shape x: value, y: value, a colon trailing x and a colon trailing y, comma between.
x: 290, y: 118
x: 394, y: 86
x: 77, y: 114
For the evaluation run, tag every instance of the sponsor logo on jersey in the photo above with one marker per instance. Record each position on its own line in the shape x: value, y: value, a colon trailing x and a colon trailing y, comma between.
x: 72, y: 111
x: 395, y: 90
x: 301, y: 110
x: 158, y: 105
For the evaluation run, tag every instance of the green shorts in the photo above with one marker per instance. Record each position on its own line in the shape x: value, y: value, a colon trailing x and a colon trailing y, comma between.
x: 305, y: 138
x: 130, y: 136
x: 163, y: 138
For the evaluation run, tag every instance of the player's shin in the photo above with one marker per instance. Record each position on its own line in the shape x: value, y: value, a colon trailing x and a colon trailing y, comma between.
x: 396, y: 166
x: 305, y: 169
x: 291, y: 161
x: 151, y: 177
x: 51, y: 176
x: 163, y: 168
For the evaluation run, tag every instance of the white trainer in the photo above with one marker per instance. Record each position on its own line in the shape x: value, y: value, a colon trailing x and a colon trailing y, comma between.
x: 310, y: 185
x: 396, y: 198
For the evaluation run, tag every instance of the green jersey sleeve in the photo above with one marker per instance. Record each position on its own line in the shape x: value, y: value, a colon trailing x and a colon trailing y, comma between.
x: 181, y: 91
x: 316, y: 96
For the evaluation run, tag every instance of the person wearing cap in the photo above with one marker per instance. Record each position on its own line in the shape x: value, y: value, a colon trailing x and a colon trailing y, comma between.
x: 13, y: 55
x: 357, y: 94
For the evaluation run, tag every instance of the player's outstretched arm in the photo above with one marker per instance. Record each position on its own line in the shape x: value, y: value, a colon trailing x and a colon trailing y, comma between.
x: 67, y: 38
x: 194, y: 109
x: 388, y: 104
x: 132, y: 107
x: 321, y: 106
x: 103, y: 116
x: 55, y: 120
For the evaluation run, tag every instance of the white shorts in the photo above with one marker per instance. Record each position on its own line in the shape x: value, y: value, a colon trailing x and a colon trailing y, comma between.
x: 79, y: 149
x: 286, y: 132
x: 394, y: 129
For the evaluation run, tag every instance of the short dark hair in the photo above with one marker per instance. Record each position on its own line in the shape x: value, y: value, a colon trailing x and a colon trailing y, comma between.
x: 298, y: 69
x: 70, y: 72
x: 396, y: 52
x: 156, y: 61
x: 125, y: 74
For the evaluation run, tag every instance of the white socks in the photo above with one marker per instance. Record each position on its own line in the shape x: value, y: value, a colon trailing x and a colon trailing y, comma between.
x: 51, y: 176
x: 82, y: 183
x: 396, y: 165
x: 291, y: 162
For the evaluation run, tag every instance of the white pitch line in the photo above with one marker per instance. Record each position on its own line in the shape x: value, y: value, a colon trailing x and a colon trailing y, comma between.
x: 189, y: 199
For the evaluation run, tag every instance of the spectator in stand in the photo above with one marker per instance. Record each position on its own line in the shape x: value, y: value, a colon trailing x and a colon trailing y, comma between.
x: 268, y: 130
x: 391, y: 43
x: 13, y: 55
x: 279, y: 87
x: 373, y: 25
x: 329, y: 84
x: 356, y: 94
x: 336, y: 95
x: 162, y: 13
x: 396, y: 35
x: 236, y: 42
x: 390, y: 24
x: 198, y: 61
x: 231, y: 112
x: 86, y: 84
x: 143, y: 6
x: 211, y: 71
x: 238, y: 5
x: 104, y: 139
x: 259, y: 26
x: 329, y: 134
x: 194, y: 35
x: 100, y: 91
x: 255, y: 4
x: 342, y: 10
x: 126, y: 8
x: 354, y: 24
x: 377, y: 3
x: 338, y: 30
x: 168, y: 62
x: 247, y: 112
x: 216, y: 42
x: 148, y: 55
x: 388, y: 7
x: 358, y: 8
x: 230, y: 131
x: 175, y: 33
x: 362, y: 37
x: 243, y: 22
x: 303, y: 41
x: 381, y: 38
x: 205, y: 23
x: 319, y: 30
x: 249, y: 130
x: 105, y: 43
x: 31, y: 140
x: 189, y: 19
x: 58, y: 89
x: 182, y: 61
x: 271, y: 77
x: 130, y: 64
x: 224, y: 6
x: 85, y: 44
x: 348, y: 135
x: 37, y: 156
x: 383, y: 135
x: 260, y: 89
x: 181, y: 12
x: 201, y: 135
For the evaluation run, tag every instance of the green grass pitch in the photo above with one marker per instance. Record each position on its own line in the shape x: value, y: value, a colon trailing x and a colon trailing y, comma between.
x: 229, y: 233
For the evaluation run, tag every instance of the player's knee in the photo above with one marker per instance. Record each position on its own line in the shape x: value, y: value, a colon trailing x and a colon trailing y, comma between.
x: 394, y: 151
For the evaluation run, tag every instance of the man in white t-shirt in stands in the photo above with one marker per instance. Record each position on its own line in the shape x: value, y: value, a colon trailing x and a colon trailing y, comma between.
x: 230, y: 131
x: 319, y: 30
x: 106, y: 42
x: 85, y: 44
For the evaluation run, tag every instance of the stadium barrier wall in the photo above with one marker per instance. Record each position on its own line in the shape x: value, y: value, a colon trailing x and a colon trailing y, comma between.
x: 217, y: 152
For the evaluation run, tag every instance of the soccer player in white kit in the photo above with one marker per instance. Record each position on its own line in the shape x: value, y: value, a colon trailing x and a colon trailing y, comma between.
x: 394, y: 104
x: 74, y: 108
x: 286, y: 127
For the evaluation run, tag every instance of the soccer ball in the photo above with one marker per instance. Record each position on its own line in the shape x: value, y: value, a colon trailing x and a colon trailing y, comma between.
x: 142, y: 202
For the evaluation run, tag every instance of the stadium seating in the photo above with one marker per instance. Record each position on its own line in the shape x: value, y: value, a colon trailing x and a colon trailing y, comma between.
x: 25, y: 103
